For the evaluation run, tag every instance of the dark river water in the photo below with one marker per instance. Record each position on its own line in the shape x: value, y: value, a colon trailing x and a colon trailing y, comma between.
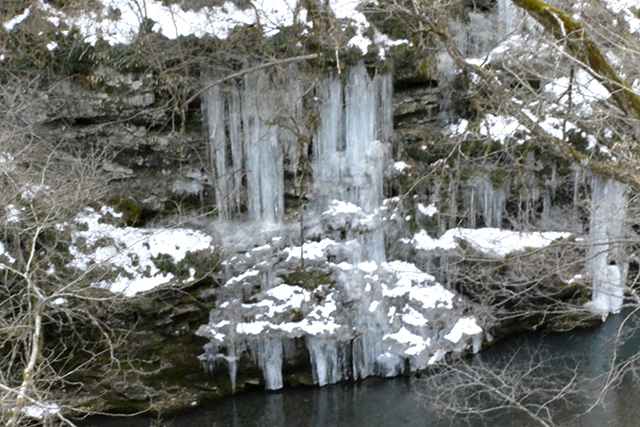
x: 532, y: 379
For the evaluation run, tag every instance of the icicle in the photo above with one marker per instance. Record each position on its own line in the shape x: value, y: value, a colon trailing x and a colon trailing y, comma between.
x: 546, y: 208
x: 327, y: 361
x: 232, y: 360
x: 453, y: 196
x: 365, y: 353
x: 328, y: 164
x: 264, y: 158
x: 384, y: 107
x: 214, y: 112
x: 268, y: 354
x: 472, y: 208
x: 476, y: 341
x: 490, y: 201
x: 363, y: 154
x: 389, y: 365
x: 237, y: 147
x: 292, y: 122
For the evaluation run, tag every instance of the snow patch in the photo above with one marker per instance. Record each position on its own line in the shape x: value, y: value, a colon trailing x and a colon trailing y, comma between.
x: 401, y: 166
x: 428, y: 211
x: 416, y: 343
x: 16, y: 20
x: 39, y: 412
x: 464, y: 326
x: 339, y: 207
x: 310, y: 250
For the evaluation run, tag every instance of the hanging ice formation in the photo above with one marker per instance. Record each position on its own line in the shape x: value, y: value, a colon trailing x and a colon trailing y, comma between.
x: 605, y: 257
x: 254, y: 131
x: 377, y: 319
x: 356, y: 122
x: 369, y: 317
x: 484, y: 28
x: 250, y: 137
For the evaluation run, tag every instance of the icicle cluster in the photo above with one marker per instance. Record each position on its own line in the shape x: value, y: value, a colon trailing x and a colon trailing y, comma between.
x: 356, y: 121
x: 482, y: 197
x: 255, y: 127
x: 252, y: 131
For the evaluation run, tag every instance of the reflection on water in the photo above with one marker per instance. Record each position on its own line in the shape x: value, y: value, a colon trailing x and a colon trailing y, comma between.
x: 556, y: 376
x: 374, y: 402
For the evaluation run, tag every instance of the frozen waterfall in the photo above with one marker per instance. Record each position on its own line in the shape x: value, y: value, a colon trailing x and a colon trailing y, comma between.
x: 268, y: 355
x: 257, y: 132
x: 262, y: 131
x: 507, y: 15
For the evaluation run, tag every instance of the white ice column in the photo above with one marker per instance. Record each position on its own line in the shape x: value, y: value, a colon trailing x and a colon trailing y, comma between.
x: 364, y: 155
x: 214, y: 112
x: 349, y: 144
x: 329, y: 142
x: 263, y: 154
x: 292, y: 122
x: 236, y: 141
x: 366, y: 349
x: 384, y: 106
x: 507, y: 15
x: 605, y: 257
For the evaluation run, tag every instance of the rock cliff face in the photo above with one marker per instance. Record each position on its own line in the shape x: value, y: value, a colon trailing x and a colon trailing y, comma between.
x: 341, y: 222
x: 359, y: 297
x: 121, y: 114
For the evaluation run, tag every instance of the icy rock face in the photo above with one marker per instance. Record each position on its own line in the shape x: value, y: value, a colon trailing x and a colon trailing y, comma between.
x: 605, y: 257
x: 356, y: 320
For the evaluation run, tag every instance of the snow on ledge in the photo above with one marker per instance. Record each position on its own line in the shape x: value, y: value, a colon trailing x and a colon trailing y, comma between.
x: 428, y: 211
x: 340, y: 207
x: 16, y: 20
x: 119, y: 21
x: 131, y: 250
x: 490, y: 241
